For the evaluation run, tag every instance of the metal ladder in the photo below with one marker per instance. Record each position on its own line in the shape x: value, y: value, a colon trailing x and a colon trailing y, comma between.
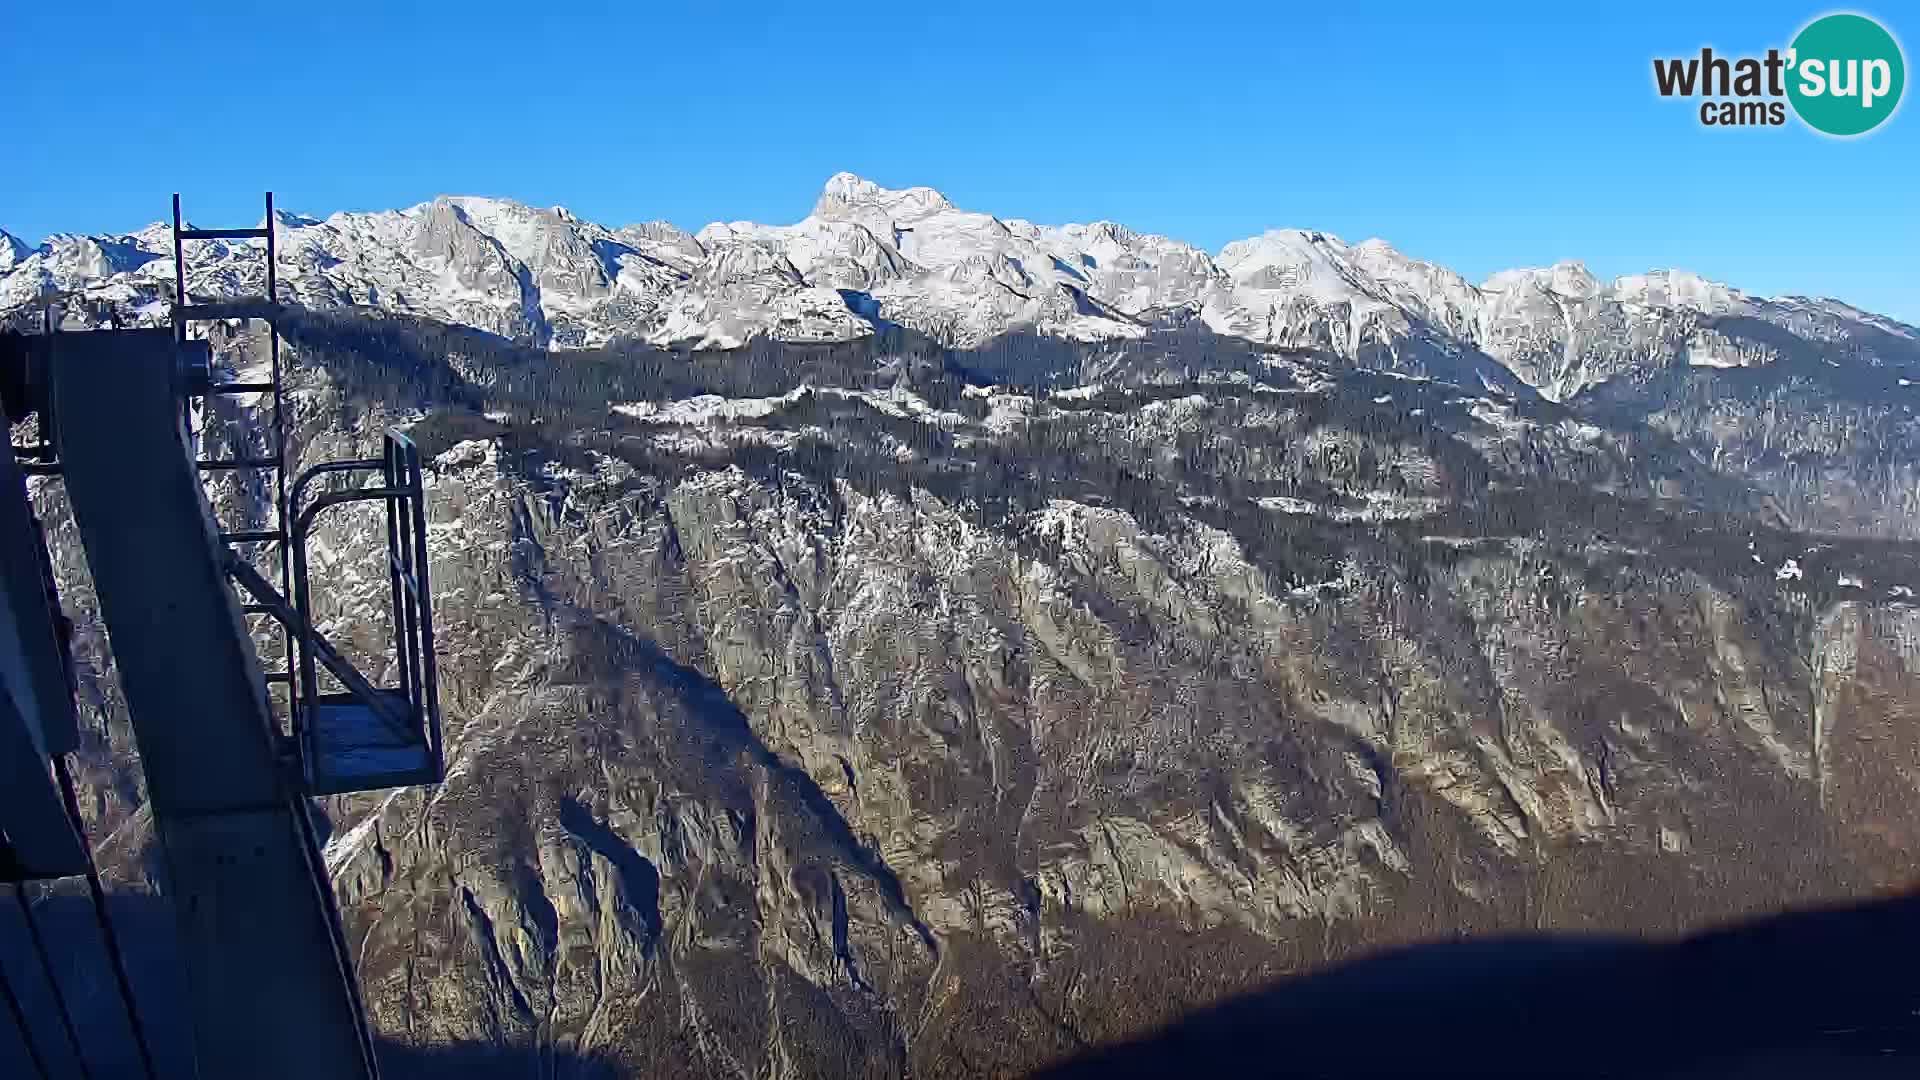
x: 186, y: 312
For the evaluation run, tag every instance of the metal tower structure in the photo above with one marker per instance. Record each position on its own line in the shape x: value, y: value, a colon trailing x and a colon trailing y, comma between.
x: 270, y: 979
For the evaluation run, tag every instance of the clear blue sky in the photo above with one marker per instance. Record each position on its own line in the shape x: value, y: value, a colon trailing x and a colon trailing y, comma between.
x: 1482, y: 138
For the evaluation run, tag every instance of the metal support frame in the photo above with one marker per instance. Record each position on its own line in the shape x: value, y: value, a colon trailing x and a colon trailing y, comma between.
x: 412, y: 714
x: 37, y: 721
x: 400, y: 488
x: 23, y: 392
x: 270, y: 982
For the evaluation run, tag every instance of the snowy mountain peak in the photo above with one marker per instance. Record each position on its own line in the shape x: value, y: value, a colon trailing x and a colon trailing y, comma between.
x: 847, y: 186
x: 1111, y: 232
x: 1678, y: 289
x: 1567, y: 278
x: 846, y: 195
x: 1296, y: 262
x: 489, y: 205
x: 1275, y: 241
x: 664, y: 232
x: 12, y: 250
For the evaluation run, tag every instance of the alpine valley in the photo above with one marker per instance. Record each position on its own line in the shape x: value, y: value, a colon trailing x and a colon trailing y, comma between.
x: 912, y: 641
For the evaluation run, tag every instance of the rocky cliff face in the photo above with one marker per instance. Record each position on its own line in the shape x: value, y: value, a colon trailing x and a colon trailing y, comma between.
x: 846, y: 709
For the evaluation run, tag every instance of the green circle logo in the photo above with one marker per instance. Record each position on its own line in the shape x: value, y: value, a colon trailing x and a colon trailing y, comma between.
x: 1845, y: 74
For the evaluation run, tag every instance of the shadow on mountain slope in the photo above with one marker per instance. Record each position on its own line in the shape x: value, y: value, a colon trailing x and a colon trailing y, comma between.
x: 1827, y: 993
x: 723, y: 720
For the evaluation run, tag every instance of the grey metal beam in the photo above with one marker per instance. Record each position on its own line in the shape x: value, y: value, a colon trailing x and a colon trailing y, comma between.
x: 30, y: 637
x: 222, y: 234
x: 36, y: 703
x: 39, y: 839
x: 271, y: 985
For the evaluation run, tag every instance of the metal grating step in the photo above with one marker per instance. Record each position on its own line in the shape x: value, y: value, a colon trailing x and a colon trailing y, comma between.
x: 355, y: 749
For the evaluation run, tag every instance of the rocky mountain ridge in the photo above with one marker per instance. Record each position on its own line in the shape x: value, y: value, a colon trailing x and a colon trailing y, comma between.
x: 868, y: 257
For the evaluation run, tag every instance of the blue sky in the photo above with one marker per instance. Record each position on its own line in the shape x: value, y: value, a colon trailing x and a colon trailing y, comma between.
x: 1485, y: 138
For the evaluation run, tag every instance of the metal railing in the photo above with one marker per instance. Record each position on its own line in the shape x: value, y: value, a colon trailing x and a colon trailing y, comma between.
x: 417, y: 715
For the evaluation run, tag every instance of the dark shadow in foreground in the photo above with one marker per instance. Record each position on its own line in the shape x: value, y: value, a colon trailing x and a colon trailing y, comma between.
x: 1831, y: 993
x: 145, y: 927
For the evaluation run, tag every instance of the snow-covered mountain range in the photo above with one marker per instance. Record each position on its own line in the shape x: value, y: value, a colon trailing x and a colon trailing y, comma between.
x: 868, y: 256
